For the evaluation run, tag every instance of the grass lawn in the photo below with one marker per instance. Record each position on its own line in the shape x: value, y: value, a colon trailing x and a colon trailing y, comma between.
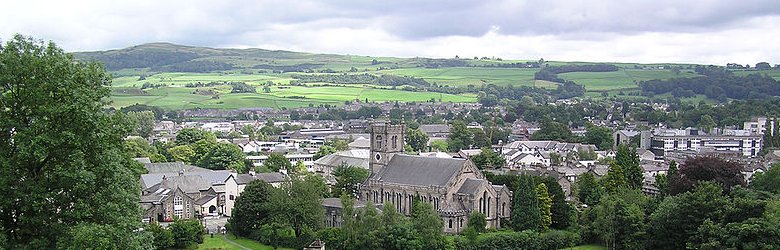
x: 219, y: 243
x: 586, y: 247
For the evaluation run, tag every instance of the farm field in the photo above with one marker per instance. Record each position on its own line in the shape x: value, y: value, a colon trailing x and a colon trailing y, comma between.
x: 463, y: 76
x: 621, y: 79
x: 177, y: 97
x: 774, y: 73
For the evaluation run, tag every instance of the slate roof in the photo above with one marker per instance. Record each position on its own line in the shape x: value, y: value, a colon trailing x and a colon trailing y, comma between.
x: 470, y: 186
x: 187, y: 183
x: 265, y: 177
x: 334, y: 160
x: 211, y: 177
x: 205, y: 199
x: 434, y: 128
x: 360, y: 142
x: 419, y: 170
x: 172, y: 167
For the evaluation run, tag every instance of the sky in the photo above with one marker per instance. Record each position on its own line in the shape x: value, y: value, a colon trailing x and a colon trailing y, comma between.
x: 646, y: 31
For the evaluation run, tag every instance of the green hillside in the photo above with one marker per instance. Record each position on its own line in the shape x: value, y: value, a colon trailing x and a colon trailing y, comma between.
x: 182, y: 77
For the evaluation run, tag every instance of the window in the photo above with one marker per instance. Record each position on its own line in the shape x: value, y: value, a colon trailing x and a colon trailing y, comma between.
x: 378, y: 141
x: 450, y: 223
x: 232, y: 197
x: 395, y: 141
x: 178, y: 209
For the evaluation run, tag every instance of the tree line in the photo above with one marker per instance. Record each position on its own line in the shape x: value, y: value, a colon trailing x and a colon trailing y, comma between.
x: 716, y: 83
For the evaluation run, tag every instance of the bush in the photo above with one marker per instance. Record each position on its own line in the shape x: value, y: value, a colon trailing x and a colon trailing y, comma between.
x: 187, y: 233
x: 528, y: 239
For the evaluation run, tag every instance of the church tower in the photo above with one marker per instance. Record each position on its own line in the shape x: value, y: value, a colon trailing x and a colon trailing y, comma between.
x: 386, y: 141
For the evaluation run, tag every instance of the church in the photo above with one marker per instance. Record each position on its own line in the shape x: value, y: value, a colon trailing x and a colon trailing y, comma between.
x: 453, y: 186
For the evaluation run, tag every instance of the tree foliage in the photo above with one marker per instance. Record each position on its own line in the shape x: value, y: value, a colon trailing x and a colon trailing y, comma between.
x: 62, y: 164
x: 553, y: 131
x: 186, y: 233
x: 416, y: 139
x: 277, y: 161
x: 588, y: 189
x: 460, y: 137
x: 348, y: 180
x: 727, y: 174
x: 143, y: 123
x: 477, y: 222
x: 525, y: 205
x: 628, y: 160
x: 488, y: 159
x: 599, y: 136
x: 545, y: 204
x: 251, y: 209
x: 767, y: 181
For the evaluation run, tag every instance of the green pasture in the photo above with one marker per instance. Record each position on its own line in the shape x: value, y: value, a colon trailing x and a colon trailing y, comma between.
x: 280, y: 96
x: 621, y: 79
x: 231, y: 243
x: 463, y: 76
x: 774, y: 73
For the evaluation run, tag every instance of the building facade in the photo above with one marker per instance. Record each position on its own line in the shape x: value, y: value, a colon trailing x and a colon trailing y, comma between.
x: 454, y: 187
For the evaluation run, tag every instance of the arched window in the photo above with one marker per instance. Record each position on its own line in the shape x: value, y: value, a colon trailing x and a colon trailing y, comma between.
x: 178, y: 209
x: 481, y: 205
x: 395, y: 141
x: 450, y: 223
x: 503, y: 208
x: 378, y: 142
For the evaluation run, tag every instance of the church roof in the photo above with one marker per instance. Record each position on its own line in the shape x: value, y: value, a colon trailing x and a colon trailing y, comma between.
x: 470, y: 186
x: 419, y: 170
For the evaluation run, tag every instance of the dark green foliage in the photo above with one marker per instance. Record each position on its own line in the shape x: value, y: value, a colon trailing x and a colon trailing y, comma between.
x: 251, y: 209
x: 678, y: 217
x: 525, y: 240
x: 163, y: 238
x: 224, y: 156
x: 628, y: 160
x: 588, y: 189
x: 428, y: 225
x: 158, y: 112
x: 477, y: 222
x: 143, y: 123
x: 186, y: 233
x: 599, y: 136
x: 615, y: 178
x: 488, y: 159
x: 768, y: 181
x: 323, y: 151
x: 525, y: 205
x: 754, y: 86
x: 140, y: 147
x: 66, y: 178
x: 545, y: 203
x: 241, y: 87
x: 348, y: 179
x: 416, y: 139
x: 554, y: 131
x: 277, y: 161
x: 754, y: 233
x: 620, y: 219
x: 187, y: 136
x: 561, y: 210
x: 725, y: 173
x: 460, y: 137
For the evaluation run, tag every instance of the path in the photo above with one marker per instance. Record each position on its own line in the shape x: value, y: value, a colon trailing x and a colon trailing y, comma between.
x: 231, y: 242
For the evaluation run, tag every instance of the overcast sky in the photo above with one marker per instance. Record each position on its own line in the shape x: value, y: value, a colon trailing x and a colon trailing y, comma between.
x: 705, y: 31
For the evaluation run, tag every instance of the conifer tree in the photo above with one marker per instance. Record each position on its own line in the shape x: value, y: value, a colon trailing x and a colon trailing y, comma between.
x: 545, y: 204
x: 525, y: 205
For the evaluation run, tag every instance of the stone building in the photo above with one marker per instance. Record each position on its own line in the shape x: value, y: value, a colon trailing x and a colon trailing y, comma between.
x: 454, y: 187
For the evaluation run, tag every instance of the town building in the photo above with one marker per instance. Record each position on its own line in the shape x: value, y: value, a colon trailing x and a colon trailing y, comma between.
x: 741, y: 142
x: 454, y: 187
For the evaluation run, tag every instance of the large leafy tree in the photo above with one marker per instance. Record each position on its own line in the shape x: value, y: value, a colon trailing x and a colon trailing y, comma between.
x: 727, y: 174
x: 588, y: 189
x: 188, y: 136
x: 143, y: 123
x: 525, y: 205
x: 251, y: 210
x: 428, y: 225
x: 620, y: 220
x: 488, y: 159
x: 768, y: 181
x: 678, y: 217
x: 628, y: 160
x: 460, y: 136
x: 599, y: 136
x: 554, y: 131
x: 416, y: 139
x: 277, y: 161
x: 65, y: 174
x: 348, y: 179
x: 224, y: 156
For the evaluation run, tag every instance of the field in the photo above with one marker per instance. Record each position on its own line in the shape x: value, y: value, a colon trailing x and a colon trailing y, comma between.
x: 463, y: 76
x: 774, y: 73
x: 132, y: 69
x: 222, y: 244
